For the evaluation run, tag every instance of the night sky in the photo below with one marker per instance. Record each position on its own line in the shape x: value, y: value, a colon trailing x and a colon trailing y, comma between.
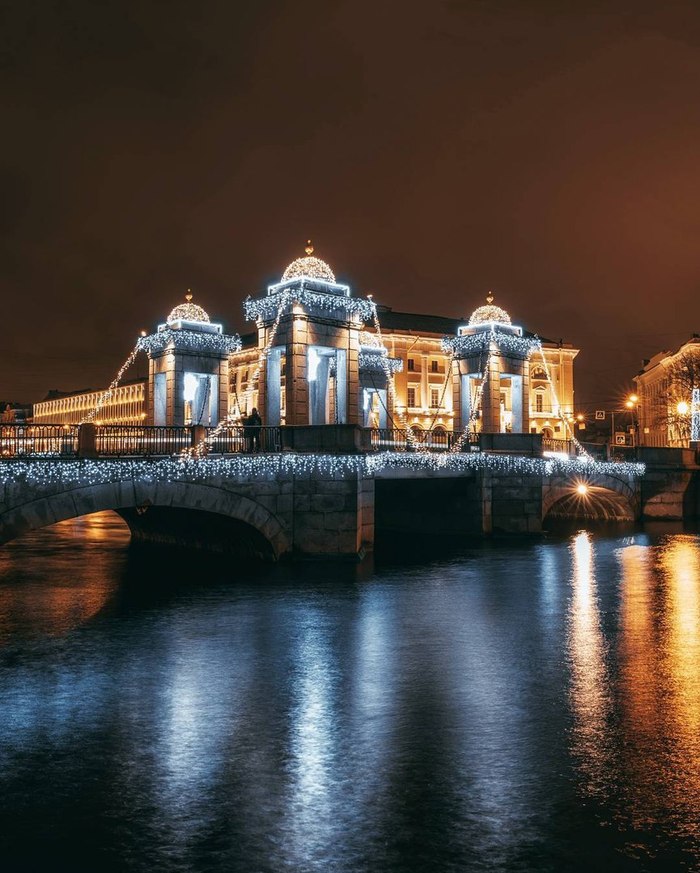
x: 432, y: 150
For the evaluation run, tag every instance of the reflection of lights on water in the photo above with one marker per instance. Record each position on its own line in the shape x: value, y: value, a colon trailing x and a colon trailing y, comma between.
x: 680, y: 562
x: 589, y: 683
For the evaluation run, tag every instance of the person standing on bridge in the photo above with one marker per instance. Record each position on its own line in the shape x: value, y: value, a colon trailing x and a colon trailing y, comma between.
x: 253, y: 427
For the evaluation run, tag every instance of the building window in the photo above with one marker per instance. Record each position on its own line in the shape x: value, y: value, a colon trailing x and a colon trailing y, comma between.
x: 434, y: 398
x: 434, y: 367
x: 411, y: 397
x: 411, y: 365
x: 539, y: 403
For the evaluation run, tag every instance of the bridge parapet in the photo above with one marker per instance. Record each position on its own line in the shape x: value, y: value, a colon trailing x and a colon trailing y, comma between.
x: 305, y: 504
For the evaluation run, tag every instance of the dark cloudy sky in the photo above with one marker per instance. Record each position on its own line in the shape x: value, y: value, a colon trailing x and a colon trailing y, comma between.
x: 432, y: 150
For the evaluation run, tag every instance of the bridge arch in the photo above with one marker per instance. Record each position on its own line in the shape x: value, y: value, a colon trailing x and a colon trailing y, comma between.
x: 133, y: 501
x: 600, y: 497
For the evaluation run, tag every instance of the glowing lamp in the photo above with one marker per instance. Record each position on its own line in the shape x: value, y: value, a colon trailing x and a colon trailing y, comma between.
x: 582, y: 489
x: 682, y: 408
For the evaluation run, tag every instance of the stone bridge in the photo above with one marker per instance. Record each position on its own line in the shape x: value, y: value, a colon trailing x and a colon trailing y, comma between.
x: 293, y: 504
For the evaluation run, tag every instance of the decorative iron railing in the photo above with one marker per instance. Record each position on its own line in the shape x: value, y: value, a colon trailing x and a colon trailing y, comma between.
x: 38, y: 440
x: 234, y: 440
x: 562, y: 447
x: 121, y: 440
x: 399, y: 440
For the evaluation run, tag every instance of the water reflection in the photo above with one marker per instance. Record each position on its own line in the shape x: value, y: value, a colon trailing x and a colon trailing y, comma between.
x: 484, y: 713
x: 589, y: 682
x: 680, y: 565
x: 46, y: 595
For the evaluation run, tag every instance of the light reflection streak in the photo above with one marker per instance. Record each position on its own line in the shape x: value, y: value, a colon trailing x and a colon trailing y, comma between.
x: 52, y: 600
x: 680, y: 564
x: 589, y: 690
x: 312, y: 743
x: 640, y: 696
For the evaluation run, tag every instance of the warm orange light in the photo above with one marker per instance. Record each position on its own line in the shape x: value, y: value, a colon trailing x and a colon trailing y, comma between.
x: 582, y: 488
x: 633, y: 398
x: 580, y: 416
x: 629, y: 404
x: 682, y: 408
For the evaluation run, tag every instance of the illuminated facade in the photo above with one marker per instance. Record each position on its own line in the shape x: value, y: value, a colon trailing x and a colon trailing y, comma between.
x: 320, y: 355
x: 668, y: 389
x: 126, y: 405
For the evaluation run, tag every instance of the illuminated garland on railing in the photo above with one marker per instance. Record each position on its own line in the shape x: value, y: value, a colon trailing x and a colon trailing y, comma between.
x: 189, y: 340
x: 250, y: 467
x: 104, y: 397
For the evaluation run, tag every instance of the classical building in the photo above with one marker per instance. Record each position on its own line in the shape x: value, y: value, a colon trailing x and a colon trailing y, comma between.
x: 668, y: 397
x: 322, y: 355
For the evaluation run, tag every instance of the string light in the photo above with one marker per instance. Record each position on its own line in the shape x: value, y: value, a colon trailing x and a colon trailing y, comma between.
x: 468, y: 345
x: 265, y: 308
x: 104, y: 397
x: 572, y: 436
x: 250, y: 467
x: 189, y: 340
x: 695, y: 415
x: 379, y: 361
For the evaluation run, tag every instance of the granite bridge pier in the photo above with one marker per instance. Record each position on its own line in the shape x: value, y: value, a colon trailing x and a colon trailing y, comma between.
x: 333, y: 504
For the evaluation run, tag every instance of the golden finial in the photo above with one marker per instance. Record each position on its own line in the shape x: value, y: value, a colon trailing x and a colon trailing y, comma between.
x: 489, y: 298
x: 309, y: 248
x: 188, y: 296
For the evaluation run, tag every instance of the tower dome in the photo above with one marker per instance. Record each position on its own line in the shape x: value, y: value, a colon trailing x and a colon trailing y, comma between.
x: 310, y: 267
x: 188, y: 311
x: 489, y: 313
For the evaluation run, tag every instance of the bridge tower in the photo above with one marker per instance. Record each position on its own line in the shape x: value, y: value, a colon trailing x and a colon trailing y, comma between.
x: 188, y: 368
x: 309, y: 330
x: 491, y: 376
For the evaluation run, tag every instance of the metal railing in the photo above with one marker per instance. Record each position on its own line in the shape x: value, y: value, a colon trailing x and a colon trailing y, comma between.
x: 564, y: 447
x: 122, y: 440
x: 398, y: 440
x: 233, y: 440
x: 38, y: 440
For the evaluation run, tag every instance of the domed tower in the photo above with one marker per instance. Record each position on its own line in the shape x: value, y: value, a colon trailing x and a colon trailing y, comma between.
x: 309, y: 325
x: 188, y: 368
x: 492, y: 372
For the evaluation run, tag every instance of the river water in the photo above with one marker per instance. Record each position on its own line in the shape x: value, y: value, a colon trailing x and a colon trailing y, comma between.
x: 513, y: 706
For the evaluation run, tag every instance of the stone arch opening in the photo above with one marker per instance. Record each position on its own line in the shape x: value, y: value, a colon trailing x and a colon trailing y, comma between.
x: 595, y: 503
x: 201, y: 516
x: 197, y: 529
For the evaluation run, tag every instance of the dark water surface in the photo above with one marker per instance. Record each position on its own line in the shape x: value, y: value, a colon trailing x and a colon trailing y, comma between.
x: 514, y: 707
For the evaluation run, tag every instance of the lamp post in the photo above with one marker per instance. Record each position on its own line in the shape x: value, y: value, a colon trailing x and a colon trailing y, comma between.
x: 632, y: 403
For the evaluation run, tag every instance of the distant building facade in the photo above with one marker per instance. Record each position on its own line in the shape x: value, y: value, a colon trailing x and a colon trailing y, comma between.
x: 320, y: 355
x: 667, y: 391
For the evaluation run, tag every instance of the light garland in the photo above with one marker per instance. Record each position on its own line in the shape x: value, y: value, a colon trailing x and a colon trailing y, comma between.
x: 188, y: 311
x: 199, y: 451
x: 379, y: 361
x: 468, y: 345
x: 579, y: 448
x: 189, y: 340
x: 96, y: 472
x: 390, y: 383
x: 265, y: 308
x: 473, y: 409
x: 695, y: 415
x: 104, y: 397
